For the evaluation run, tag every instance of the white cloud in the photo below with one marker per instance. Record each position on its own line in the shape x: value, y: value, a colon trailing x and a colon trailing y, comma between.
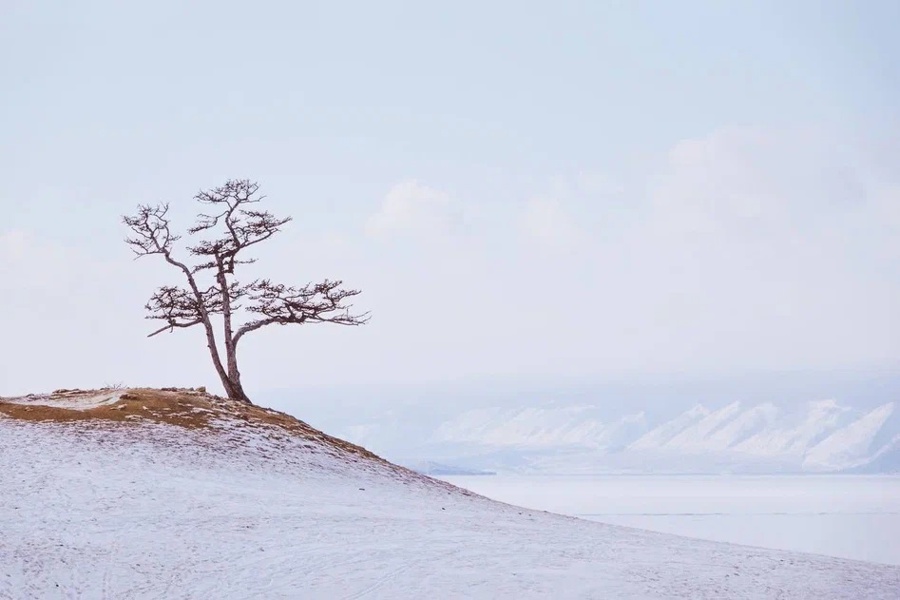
x: 13, y: 245
x: 545, y: 221
x: 744, y: 181
x: 750, y: 250
x: 414, y: 209
x: 598, y: 184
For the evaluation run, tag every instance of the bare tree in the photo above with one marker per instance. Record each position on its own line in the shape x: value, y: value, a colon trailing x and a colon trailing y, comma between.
x: 232, y: 226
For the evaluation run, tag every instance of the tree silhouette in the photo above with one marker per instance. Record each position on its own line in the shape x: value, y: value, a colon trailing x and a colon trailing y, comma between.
x: 233, y: 225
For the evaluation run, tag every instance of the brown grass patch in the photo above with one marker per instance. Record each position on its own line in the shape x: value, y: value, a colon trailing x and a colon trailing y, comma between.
x: 188, y: 408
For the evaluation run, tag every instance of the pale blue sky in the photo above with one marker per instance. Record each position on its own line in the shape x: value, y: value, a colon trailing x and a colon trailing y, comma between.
x: 714, y: 184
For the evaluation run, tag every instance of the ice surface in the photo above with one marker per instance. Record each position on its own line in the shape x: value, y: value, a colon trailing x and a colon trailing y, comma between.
x: 849, y: 516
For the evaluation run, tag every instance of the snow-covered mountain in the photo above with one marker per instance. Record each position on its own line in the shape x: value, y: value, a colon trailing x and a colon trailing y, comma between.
x: 149, y: 494
x: 566, y: 432
x: 818, y: 436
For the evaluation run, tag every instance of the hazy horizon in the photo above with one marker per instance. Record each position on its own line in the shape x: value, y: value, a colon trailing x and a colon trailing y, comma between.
x: 588, y: 191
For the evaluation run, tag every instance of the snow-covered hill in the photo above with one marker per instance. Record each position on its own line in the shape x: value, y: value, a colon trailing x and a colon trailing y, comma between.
x: 147, y: 494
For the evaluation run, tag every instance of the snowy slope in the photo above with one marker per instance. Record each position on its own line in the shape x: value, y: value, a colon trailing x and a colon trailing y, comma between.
x: 795, y: 436
x: 238, y: 509
x: 661, y: 435
x: 849, y: 445
x: 697, y: 437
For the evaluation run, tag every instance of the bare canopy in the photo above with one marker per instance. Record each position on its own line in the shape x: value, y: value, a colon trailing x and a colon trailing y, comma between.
x: 232, y: 225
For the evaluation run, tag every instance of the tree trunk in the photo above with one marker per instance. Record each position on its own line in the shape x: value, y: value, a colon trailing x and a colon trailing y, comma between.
x: 214, y: 354
x: 231, y: 380
x: 238, y: 392
x: 234, y: 376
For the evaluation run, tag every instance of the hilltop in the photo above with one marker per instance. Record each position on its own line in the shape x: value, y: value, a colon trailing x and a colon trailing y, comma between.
x: 188, y: 408
x: 133, y: 493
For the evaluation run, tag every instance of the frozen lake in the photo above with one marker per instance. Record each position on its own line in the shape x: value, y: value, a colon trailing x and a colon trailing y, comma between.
x: 847, y: 516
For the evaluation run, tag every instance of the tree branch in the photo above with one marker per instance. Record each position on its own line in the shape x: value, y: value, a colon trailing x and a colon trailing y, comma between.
x: 242, y: 227
x: 181, y: 308
x: 171, y: 327
x: 313, y: 303
x: 151, y: 228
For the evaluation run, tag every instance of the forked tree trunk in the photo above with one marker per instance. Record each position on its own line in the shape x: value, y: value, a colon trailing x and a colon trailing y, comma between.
x: 235, y: 388
x: 231, y: 379
x: 236, y: 391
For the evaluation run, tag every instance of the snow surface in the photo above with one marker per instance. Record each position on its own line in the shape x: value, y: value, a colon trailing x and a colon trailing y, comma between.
x: 150, y: 511
x: 75, y: 400
x: 663, y: 434
x: 844, y: 446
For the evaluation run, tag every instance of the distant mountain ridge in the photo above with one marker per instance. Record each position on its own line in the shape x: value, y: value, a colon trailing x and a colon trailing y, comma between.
x: 822, y: 436
x: 780, y: 424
